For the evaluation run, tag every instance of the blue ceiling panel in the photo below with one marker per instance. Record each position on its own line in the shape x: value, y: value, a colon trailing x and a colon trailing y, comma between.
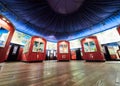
x: 61, y: 19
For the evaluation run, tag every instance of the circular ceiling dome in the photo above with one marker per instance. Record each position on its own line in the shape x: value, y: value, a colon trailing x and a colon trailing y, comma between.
x: 62, y: 19
x: 65, y: 6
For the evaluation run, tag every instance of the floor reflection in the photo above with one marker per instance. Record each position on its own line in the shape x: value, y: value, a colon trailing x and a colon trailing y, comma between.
x: 53, y: 73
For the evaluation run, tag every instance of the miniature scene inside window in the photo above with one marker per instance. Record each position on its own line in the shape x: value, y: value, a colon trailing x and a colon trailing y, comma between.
x: 90, y: 46
x: 63, y: 47
x: 38, y: 46
x: 3, y: 36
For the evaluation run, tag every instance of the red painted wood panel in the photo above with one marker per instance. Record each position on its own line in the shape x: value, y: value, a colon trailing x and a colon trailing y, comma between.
x: 73, y: 55
x: 114, y: 57
x: 93, y: 56
x: 35, y: 56
x: 20, y: 54
x: 63, y: 56
x: 118, y: 29
x: 10, y: 28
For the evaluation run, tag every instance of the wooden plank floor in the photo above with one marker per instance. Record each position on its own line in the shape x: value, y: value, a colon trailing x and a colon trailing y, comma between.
x: 52, y: 73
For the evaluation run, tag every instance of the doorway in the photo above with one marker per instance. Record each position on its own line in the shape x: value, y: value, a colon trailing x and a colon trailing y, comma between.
x: 51, y: 55
x: 14, y: 52
x: 76, y: 54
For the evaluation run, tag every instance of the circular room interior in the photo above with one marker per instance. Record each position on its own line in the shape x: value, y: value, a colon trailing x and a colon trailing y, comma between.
x: 59, y: 42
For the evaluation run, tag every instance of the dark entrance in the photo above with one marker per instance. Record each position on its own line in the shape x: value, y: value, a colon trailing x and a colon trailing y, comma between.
x: 51, y: 55
x: 14, y: 52
x: 78, y: 54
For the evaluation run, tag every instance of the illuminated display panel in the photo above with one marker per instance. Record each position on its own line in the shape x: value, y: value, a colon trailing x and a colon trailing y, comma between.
x: 38, y: 45
x: 20, y: 38
x: 111, y: 50
x: 75, y: 44
x: 26, y: 47
x: 108, y: 36
x: 51, y: 46
x: 86, y: 47
x: 63, y: 47
x: 3, y: 36
x: 90, y: 46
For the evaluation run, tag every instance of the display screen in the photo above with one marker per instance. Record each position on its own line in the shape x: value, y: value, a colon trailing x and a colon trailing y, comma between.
x: 63, y: 47
x: 38, y: 46
x: 90, y: 46
x: 3, y: 36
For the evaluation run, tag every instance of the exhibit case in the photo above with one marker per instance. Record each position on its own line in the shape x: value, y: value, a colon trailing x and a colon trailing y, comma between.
x: 63, y: 50
x: 6, y: 33
x: 35, y: 49
x: 91, y: 49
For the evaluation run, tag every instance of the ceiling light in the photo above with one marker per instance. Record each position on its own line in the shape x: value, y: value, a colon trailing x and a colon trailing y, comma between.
x: 4, y: 19
x: 7, y: 21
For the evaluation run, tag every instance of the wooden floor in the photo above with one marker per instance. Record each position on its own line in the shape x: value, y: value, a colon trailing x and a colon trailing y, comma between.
x: 52, y: 73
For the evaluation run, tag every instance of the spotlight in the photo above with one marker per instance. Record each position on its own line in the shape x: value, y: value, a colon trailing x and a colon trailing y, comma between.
x: 4, y: 19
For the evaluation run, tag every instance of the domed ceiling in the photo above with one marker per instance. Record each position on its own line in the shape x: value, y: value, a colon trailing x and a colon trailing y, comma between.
x: 61, y: 19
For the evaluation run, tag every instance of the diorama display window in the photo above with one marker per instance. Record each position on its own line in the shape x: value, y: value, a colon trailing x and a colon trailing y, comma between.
x: 63, y: 47
x: 90, y: 46
x: 26, y: 47
x: 86, y: 47
x: 3, y: 36
x: 38, y: 46
x: 111, y: 50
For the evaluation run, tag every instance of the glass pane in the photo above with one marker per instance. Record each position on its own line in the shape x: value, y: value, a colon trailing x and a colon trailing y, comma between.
x: 38, y: 46
x: 63, y: 48
x: 92, y: 46
x: 3, y: 36
x: 41, y: 47
x: 86, y: 47
x: 20, y: 38
x: 111, y: 50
